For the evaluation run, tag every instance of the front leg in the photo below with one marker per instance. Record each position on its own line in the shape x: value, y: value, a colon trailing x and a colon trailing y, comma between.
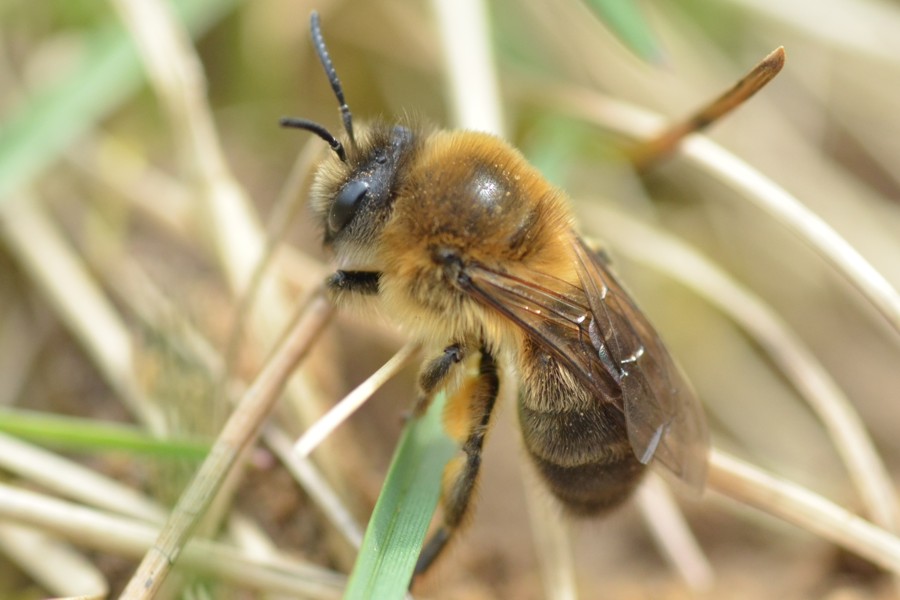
x: 353, y: 283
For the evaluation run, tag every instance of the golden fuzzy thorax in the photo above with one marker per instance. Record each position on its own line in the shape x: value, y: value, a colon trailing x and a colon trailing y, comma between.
x: 473, y: 195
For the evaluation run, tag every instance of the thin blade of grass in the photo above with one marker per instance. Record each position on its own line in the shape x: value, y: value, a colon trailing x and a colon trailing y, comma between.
x: 315, y: 485
x: 404, y: 509
x: 624, y: 19
x: 74, y: 433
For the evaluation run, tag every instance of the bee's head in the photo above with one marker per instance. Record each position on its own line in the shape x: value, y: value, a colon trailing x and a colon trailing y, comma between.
x: 353, y: 197
x: 354, y: 187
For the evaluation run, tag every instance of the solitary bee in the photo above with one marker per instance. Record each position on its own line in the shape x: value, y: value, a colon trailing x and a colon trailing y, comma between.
x: 470, y: 248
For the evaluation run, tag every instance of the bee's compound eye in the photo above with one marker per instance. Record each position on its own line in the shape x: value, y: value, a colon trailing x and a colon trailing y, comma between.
x: 346, y: 204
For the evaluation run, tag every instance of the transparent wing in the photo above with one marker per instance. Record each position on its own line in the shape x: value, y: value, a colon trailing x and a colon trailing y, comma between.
x: 664, y: 418
x: 605, y: 340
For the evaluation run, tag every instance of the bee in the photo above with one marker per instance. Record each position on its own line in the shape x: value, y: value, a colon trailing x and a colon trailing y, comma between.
x: 466, y: 245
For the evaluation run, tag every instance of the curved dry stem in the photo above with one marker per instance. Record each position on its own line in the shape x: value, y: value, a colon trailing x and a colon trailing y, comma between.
x: 238, y: 433
x: 658, y: 147
x: 742, y: 482
x: 754, y: 187
x: 673, y: 257
x: 786, y: 209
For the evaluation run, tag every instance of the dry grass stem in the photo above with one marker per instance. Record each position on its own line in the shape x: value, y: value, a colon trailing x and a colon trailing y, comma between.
x: 754, y: 487
x: 788, y: 211
x: 552, y: 541
x: 660, y: 146
x: 344, y: 409
x: 673, y: 535
x: 177, y: 76
x: 70, y: 479
x: 55, y: 565
x: 752, y: 185
x: 314, y: 484
x: 238, y: 433
x: 239, y: 240
x: 121, y: 535
x: 159, y: 196
x: 470, y: 68
x: 175, y: 71
x: 865, y: 28
x: 141, y: 294
x: 853, y: 443
x: 279, y: 223
x: 63, y: 278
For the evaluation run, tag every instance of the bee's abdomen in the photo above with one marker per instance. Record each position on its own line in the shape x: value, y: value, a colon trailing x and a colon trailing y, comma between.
x: 584, y: 457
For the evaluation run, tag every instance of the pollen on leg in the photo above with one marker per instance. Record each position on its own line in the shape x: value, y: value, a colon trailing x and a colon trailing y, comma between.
x: 458, y: 412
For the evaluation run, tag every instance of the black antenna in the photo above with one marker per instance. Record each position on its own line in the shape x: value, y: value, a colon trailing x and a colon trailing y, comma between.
x: 322, y: 51
x: 319, y: 131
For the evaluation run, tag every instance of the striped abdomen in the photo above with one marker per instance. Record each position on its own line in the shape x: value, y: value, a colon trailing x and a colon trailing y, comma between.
x: 578, y: 443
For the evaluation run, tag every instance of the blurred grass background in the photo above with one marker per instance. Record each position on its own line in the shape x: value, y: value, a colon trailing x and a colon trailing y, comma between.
x: 98, y: 160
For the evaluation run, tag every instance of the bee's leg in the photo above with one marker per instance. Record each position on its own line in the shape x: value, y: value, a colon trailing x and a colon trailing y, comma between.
x: 466, y: 418
x: 435, y: 374
x: 362, y: 283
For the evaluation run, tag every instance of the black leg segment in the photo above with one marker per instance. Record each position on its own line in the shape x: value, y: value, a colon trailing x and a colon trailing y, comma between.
x: 364, y: 283
x: 468, y: 412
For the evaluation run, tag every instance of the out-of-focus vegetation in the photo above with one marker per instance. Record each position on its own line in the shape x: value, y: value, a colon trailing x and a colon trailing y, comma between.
x: 125, y: 249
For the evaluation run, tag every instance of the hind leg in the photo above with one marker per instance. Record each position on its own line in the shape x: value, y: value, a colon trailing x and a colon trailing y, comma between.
x: 466, y: 418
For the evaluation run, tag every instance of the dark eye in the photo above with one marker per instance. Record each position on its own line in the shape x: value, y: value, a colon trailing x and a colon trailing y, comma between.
x: 346, y: 203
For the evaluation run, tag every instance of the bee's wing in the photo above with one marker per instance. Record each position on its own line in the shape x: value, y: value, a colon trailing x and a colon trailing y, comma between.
x: 604, y: 339
x: 664, y: 417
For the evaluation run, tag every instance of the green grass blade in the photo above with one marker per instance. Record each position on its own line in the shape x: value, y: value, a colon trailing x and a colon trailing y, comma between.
x: 624, y: 19
x: 90, y: 435
x: 403, y: 512
x: 109, y: 71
